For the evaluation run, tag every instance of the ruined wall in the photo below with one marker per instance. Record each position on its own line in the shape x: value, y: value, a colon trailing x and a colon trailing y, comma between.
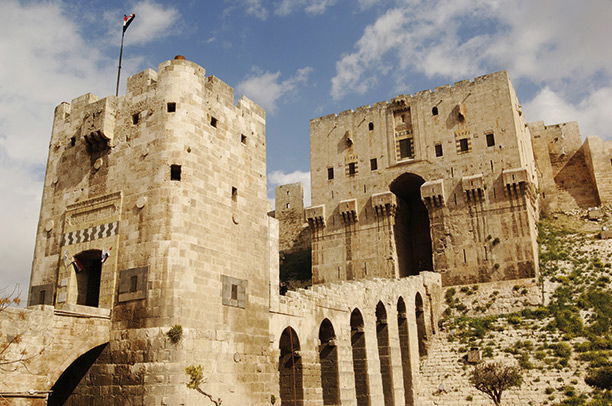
x: 171, y: 180
x: 575, y: 174
x: 469, y: 149
x: 289, y: 210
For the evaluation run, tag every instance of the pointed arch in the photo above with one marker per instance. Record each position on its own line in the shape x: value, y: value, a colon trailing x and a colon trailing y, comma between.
x: 384, y: 353
x: 360, y: 359
x: 420, y: 321
x: 290, y: 369
x: 402, y: 327
x: 328, y: 357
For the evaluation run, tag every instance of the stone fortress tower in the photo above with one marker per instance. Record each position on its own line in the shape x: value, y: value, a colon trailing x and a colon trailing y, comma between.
x: 154, y: 250
x: 170, y: 179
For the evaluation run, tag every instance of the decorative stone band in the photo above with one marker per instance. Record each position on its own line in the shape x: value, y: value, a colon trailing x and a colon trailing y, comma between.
x: 384, y: 203
x: 315, y: 215
x: 91, y: 233
x: 432, y: 193
x: 473, y: 187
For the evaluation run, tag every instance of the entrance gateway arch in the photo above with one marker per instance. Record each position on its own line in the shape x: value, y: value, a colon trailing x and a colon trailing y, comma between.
x: 411, y: 229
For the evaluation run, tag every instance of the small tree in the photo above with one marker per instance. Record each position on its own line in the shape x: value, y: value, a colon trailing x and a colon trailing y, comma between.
x: 493, y: 378
x: 196, y: 378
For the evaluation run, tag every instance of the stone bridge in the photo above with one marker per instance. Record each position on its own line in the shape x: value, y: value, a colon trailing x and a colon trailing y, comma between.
x: 48, y: 343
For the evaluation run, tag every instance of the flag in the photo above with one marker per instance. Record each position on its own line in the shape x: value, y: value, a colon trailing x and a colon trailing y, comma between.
x: 127, y: 20
x: 105, y: 254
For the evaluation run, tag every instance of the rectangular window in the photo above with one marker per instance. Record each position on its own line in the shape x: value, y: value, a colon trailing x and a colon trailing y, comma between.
x: 439, y: 151
x: 135, y: 118
x: 175, y: 172
x: 243, y: 138
x: 352, y: 168
x: 41, y: 296
x: 213, y: 122
x: 406, y: 148
x: 133, y: 283
x: 171, y: 107
x: 234, y: 194
x: 490, y: 140
x: 234, y: 292
x: 373, y: 164
x: 463, y: 145
x: 330, y: 173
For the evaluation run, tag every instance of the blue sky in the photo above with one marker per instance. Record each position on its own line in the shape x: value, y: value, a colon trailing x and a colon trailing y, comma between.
x: 299, y: 59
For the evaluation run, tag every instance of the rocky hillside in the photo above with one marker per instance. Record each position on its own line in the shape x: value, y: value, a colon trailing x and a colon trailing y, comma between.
x: 556, y: 328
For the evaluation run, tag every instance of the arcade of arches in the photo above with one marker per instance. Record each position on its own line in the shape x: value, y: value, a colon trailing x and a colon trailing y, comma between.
x: 365, y: 376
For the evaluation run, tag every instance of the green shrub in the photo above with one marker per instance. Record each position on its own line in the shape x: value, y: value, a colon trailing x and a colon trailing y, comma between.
x: 600, y: 378
x: 175, y: 333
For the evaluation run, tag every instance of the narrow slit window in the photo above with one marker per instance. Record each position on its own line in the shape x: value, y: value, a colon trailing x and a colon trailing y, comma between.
x: 133, y: 283
x: 243, y: 139
x: 171, y: 107
x: 234, y: 194
x: 234, y: 294
x: 352, y: 168
x: 213, y: 122
x: 72, y: 141
x: 175, y: 172
x: 371, y: 126
x: 330, y: 173
x: 439, y: 151
x: 434, y: 111
x: 373, y: 164
x: 288, y: 206
x: 42, y: 296
x: 135, y: 118
x: 490, y: 140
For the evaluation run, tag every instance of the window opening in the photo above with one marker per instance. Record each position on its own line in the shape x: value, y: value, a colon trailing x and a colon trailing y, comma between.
x: 406, y: 148
x: 490, y: 140
x: 463, y: 145
x: 288, y: 206
x: 439, y: 151
x: 234, y: 294
x: 175, y: 172
x: 213, y: 122
x: 135, y: 118
x: 133, y: 283
x: 434, y: 111
x: 243, y: 139
x: 171, y: 107
x: 330, y: 173
x: 72, y: 141
x: 373, y: 164
x: 234, y: 194
x: 352, y: 168
x: 41, y: 296
x: 371, y: 126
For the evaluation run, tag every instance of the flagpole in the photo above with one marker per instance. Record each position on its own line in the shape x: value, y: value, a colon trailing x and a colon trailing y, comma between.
x: 119, y: 69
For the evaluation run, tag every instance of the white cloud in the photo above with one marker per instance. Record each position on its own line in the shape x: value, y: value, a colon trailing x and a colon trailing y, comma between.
x: 560, y: 44
x: 312, y: 7
x: 266, y: 88
x: 46, y: 60
x: 277, y: 178
x: 593, y: 113
x: 256, y: 9
x: 152, y: 21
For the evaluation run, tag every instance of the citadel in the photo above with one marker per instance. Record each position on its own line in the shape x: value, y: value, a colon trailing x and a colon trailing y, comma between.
x: 154, y: 219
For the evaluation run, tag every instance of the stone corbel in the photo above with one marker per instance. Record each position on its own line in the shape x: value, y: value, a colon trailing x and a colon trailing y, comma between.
x: 516, y: 182
x: 348, y: 210
x: 432, y: 193
x: 315, y: 215
x: 473, y: 187
x: 99, y: 123
x: 385, y: 204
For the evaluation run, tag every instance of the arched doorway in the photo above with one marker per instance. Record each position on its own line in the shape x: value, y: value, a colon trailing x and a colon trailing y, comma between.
x: 328, y: 357
x: 411, y: 230
x: 290, y: 369
x: 88, y: 268
x: 384, y: 353
x: 70, y: 378
x: 420, y: 319
x: 360, y: 359
x: 402, y: 327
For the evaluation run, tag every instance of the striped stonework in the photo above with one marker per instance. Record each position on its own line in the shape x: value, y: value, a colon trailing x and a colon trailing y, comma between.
x: 91, y: 233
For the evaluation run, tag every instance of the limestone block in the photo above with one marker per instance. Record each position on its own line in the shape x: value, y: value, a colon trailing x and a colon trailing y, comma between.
x: 595, y: 214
